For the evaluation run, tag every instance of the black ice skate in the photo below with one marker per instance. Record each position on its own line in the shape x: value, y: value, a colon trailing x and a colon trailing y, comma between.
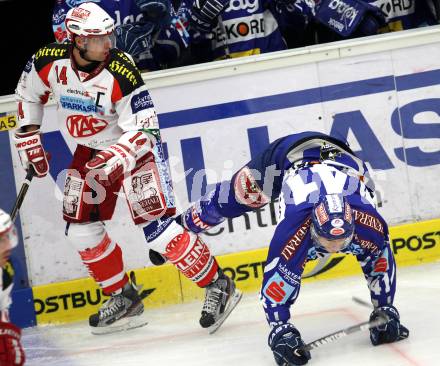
x: 120, y: 312
x: 221, y: 297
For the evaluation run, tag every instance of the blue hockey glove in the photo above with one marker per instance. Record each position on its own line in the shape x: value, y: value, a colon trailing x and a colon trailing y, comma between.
x: 135, y: 38
x: 373, y: 19
x: 285, y: 342
x: 390, y: 332
x: 346, y: 17
x: 156, y: 11
x: 205, y: 13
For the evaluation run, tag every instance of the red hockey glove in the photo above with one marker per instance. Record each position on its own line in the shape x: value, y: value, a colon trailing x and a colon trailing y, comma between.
x: 110, y: 164
x: 31, y: 152
x: 11, y: 351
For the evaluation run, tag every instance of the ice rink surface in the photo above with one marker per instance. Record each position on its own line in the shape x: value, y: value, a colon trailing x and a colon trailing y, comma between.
x: 173, y: 336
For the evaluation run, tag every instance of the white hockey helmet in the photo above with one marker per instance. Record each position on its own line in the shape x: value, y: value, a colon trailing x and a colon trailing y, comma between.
x: 89, y: 20
x: 8, y: 233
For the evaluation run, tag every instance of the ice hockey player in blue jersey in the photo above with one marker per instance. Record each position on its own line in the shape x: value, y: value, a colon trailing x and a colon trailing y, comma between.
x: 338, y: 19
x: 235, y: 28
x: 327, y: 205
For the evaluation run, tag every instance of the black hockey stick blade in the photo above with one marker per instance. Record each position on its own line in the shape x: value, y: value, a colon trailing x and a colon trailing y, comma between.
x: 22, y: 194
x: 359, y: 301
x: 381, y: 320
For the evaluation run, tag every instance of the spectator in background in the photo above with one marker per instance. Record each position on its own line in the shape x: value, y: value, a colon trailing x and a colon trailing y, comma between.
x: 152, y: 32
x: 233, y: 28
x: 334, y: 20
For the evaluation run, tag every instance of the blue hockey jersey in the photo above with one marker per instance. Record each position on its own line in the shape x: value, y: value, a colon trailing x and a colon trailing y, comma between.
x: 246, y: 27
x: 291, y: 246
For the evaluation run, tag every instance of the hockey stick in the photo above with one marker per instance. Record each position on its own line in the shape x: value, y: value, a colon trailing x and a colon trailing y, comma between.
x: 359, y: 301
x: 23, y: 190
x: 381, y: 320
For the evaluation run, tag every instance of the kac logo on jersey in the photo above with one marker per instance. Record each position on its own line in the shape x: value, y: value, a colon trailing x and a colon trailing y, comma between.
x: 84, y: 126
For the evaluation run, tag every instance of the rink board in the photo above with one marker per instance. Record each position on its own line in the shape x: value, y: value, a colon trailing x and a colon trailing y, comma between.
x: 75, y: 300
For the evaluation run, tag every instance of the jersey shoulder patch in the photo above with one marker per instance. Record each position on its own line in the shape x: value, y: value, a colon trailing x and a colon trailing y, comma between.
x: 124, y: 71
x: 50, y: 53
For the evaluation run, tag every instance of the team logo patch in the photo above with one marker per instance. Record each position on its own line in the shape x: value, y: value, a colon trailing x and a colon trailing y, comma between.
x: 73, y: 190
x: 277, y: 290
x: 247, y: 190
x: 84, y: 126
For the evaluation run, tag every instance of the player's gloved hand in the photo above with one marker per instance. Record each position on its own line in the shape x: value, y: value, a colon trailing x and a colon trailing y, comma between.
x: 156, y: 11
x: 355, y: 18
x: 373, y: 20
x: 31, y: 152
x: 135, y: 38
x: 11, y: 350
x: 285, y: 342
x: 390, y: 332
x: 110, y: 164
x: 205, y: 13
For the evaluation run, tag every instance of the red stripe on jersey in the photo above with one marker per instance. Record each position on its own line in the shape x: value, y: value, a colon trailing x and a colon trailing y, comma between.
x: 93, y: 253
x: 108, y: 267
x: 44, y: 73
x: 116, y: 92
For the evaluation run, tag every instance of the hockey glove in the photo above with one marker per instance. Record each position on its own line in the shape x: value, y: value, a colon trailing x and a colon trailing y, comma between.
x: 136, y: 38
x: 31, y: 152
x: 110, y: 164
x: 390, y: 332
x: 350, y: 16
x: 205, y: 13
x: 11, y: 350
x: 156, y: 11
x: 285, y: 342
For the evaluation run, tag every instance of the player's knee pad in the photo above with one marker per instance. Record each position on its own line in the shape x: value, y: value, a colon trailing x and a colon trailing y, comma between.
x: 85, y: 235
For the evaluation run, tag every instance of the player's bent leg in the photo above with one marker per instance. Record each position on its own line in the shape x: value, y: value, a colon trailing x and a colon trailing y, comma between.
x: 103, y: 259
x: 229, y: 199
x: 193, y: 259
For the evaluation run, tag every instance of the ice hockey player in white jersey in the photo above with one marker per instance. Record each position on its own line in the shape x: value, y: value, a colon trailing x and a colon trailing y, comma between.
x: 105, y: 107
x: 11, y: 350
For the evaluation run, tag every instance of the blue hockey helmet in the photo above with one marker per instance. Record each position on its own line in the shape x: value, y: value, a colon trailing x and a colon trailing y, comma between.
x: 332, y: 219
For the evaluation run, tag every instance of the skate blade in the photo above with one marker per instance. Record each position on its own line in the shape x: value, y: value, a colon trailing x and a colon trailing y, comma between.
x: 232, y: 304
x: 120, y: 326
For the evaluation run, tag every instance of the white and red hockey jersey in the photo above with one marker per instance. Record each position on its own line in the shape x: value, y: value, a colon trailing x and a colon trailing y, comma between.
x: 95, y: 108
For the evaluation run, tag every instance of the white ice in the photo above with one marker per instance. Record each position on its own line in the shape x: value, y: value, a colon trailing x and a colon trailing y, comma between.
x: 173, y: 336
